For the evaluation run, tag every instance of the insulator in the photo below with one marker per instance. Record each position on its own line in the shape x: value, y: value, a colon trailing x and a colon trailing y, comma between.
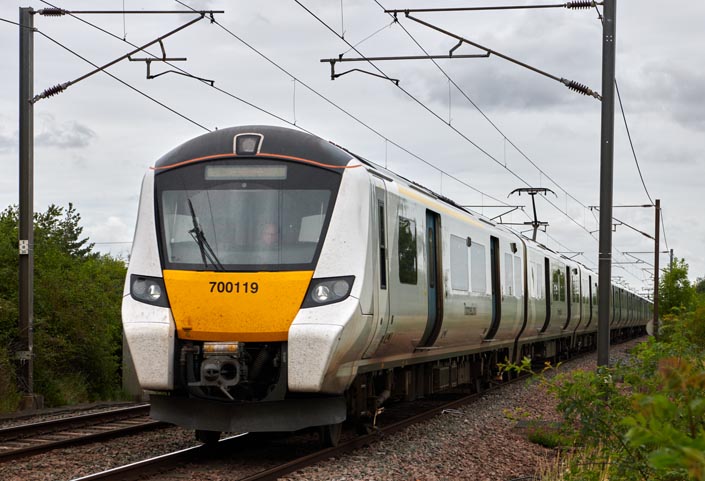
x: 52, y: 12
x: 51, y: 91
x: 581, y: 5
x: 580, y: 88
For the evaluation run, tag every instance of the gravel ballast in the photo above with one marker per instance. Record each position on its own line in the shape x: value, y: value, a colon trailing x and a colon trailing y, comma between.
x: 479, y: 441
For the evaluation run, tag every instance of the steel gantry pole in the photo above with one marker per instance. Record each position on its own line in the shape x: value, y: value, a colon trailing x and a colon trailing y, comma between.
x: 657, y: 246
x: 606, y: 180
x: 25, y: 351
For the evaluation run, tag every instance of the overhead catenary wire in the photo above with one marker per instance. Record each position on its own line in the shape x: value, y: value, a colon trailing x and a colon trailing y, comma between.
x: 578, y: 5
x: 63, y: 86
x: 631, y: 143
x: 428, y: 109
x: 541, y: 171
x: 412, y: 97
x: 293, y: 124
x: 663, y: 227
x: 308, y: 87
x: 158, y: 102
x: 304, y: 84
x: 484, y: 115
x: 352, y: 47
x: 10, y: 22
x: 250, y: 104
x: 344, y: 111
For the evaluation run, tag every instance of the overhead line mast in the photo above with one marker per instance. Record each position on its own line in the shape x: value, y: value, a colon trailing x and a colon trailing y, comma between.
x: 24, y: 354
x: 606, y: 182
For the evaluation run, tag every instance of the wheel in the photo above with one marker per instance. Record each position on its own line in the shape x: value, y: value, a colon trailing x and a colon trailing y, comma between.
x: 209, y: 438
x: 329, y: 435
x: 364, y: 427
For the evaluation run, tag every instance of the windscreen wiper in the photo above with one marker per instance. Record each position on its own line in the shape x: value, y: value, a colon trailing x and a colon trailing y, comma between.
x: 207, y: 253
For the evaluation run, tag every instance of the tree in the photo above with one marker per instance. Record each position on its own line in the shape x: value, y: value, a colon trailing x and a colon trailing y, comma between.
x: 676, y: 294
x: 77, y: 298
x: 700, y: 285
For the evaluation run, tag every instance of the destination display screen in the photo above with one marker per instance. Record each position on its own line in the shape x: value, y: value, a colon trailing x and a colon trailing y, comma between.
x: 245, y: 172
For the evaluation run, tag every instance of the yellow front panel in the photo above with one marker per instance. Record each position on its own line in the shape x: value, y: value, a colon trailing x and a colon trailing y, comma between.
x: 235, y: 306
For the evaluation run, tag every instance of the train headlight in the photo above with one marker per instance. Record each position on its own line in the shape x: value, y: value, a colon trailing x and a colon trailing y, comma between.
x: 321, y: 294
x: 328, y: 291
x: 149, y: 290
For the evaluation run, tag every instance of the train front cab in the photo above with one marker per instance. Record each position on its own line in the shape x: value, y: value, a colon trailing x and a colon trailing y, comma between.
x: 239, y: 321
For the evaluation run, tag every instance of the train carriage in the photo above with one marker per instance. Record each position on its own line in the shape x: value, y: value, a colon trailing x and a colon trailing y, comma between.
x: 279, y: 282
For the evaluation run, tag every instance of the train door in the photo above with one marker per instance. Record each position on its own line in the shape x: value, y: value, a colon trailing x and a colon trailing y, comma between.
x: 496, y: 288
x: 569, y: 300
x: 434, y: 279
x: 547, y: 290
x: 381, y: 307
x: 590, y: 291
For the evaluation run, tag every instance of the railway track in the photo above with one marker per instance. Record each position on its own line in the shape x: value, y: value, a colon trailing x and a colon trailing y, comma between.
x: 196, y: 454
x: 32, y: 438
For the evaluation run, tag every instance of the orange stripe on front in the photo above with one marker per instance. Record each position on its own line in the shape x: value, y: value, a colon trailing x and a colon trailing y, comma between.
x: 235, y: 306
x: 275, y: 156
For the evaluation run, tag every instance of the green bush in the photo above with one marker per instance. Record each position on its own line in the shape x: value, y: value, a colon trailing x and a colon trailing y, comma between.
x: 77, y: 297
x: 668, y: 426
x: 642, y: 420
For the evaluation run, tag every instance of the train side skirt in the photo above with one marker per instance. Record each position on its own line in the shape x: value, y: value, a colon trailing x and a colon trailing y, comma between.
x: 278, y: 416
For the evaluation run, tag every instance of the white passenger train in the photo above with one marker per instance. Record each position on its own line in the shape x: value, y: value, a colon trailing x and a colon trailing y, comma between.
x: 279, y: 282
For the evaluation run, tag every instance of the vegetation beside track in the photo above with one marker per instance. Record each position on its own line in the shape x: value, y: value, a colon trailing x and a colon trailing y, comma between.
x: 644, y: 419
x: 77, y: 297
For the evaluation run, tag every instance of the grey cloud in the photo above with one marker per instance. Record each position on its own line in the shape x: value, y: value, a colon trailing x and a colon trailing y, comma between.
x: 496, y: 83
x: 8, y: 142
x: 502, y: 87
x: 682, y: 90
x: 63, y: 135
x: 666, y: 89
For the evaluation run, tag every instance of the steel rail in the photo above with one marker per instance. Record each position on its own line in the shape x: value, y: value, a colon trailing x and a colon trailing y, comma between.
x: 164, y: 462
x: 29, y: 439
x: 31, y: 429
x: 360, y: 441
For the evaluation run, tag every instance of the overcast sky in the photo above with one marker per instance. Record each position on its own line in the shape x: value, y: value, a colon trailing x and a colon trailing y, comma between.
x: 492, y: 128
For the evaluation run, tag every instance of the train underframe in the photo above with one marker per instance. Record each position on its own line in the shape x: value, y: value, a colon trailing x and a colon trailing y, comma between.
x: 246, y: 390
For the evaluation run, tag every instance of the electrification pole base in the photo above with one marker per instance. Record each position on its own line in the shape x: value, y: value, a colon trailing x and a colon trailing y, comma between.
x: 31, y: 402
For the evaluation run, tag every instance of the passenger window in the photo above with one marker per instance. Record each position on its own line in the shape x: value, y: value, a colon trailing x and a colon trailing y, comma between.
x: 459, y: 263
x: 478, y: 275
x: 556, y: 285
x: 518, y: 277
x: 561, y: 277
x: 508, y: 274
x: 407, y: 251
x: 541, y: 284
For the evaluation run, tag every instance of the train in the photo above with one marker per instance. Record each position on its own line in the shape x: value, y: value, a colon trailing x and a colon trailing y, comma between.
x: 279, y: 282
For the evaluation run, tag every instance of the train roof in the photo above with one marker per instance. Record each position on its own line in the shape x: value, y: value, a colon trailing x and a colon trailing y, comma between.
x: 275, y: 141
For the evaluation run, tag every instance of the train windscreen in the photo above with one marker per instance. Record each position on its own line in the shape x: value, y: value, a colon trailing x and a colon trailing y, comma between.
x: 244, y: 215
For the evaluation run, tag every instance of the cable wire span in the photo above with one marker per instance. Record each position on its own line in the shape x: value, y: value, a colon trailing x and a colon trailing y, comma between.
x: 54, y: 90
x: 579, y: 5
x: 631, y: 144
x: 125, y: 83
x: 467, y: 97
